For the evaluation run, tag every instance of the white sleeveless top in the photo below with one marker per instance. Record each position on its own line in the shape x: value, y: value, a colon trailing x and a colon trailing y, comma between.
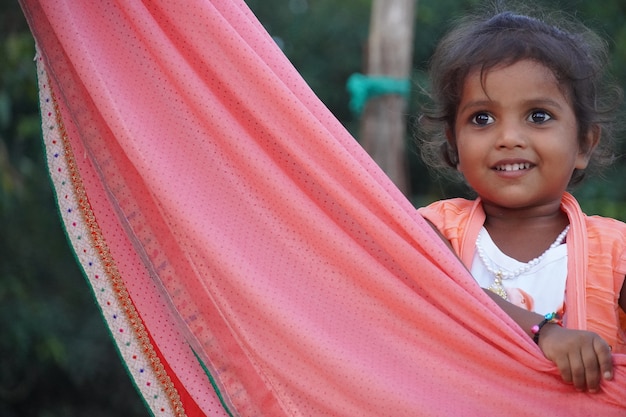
x: 540, y: 289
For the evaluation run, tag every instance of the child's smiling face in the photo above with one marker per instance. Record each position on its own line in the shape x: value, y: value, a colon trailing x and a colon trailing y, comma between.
x: 517, y: 136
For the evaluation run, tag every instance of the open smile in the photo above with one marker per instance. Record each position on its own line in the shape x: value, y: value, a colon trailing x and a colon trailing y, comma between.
x: 513, y: 167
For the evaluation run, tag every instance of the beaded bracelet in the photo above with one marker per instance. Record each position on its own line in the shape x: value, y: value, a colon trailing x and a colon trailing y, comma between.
x: 548, y: 318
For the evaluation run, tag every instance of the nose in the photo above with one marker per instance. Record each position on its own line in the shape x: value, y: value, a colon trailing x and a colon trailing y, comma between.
x: 510, y: 135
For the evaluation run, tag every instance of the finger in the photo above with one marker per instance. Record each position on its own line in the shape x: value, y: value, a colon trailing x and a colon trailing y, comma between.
x: 577, y: 369
x: 605, y: 358
x: 592, y: 369
x: 565, y: 369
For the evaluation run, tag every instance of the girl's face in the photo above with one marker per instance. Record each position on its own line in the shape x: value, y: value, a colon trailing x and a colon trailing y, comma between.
x: 517, y: 136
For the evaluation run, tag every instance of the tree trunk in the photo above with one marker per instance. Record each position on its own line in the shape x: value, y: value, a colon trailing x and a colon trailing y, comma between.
x: 389, y: 54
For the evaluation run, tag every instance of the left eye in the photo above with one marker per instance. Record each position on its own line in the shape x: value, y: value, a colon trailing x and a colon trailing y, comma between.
x: 539, y: 116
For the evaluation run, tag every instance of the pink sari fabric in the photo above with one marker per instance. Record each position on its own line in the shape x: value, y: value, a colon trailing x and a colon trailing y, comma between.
x: 249, y: 258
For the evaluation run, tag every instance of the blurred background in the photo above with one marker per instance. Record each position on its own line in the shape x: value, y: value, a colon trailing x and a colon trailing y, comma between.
x: 56, y: 357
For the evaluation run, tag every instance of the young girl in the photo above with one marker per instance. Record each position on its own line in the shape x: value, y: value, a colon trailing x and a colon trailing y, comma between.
x: 520, y: 105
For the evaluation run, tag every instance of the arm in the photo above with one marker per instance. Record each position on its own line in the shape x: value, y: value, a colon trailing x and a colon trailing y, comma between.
x: 583, y: 358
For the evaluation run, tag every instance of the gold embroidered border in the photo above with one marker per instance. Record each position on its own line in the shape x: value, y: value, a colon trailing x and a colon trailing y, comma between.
x: 111, y: 270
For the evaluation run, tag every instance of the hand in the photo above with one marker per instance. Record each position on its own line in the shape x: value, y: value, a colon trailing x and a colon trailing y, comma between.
x: 583, y: 357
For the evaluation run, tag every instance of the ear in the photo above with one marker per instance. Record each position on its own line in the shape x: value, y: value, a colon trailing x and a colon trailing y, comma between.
x: 449, y: 134
x: 591, y: 140
x: 452, y: 154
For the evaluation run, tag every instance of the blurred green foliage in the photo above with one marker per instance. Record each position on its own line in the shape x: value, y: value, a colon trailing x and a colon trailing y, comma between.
x: 56, y: 356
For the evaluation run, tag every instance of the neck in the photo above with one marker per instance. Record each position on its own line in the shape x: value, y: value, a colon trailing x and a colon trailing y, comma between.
x: 513, y: 217
x: 524, y: 233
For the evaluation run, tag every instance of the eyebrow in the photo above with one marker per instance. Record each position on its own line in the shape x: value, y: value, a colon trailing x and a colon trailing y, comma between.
x: 536, y: 102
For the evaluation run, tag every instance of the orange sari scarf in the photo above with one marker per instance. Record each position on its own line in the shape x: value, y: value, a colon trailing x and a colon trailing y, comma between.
x: 248, y: 256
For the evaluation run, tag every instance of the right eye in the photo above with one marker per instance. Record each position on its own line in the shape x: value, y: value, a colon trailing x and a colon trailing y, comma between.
x: 482, y: 119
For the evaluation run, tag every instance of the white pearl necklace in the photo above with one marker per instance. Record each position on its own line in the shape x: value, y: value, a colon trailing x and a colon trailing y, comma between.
x: 500, y: 275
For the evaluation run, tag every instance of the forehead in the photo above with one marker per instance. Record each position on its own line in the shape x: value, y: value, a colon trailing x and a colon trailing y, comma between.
x: 525, y: 78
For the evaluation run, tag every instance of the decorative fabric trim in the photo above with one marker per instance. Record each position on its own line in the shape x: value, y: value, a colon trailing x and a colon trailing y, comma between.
x: 121, y: 317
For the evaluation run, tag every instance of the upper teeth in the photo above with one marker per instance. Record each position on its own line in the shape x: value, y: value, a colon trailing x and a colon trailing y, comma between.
x: 513, y: 167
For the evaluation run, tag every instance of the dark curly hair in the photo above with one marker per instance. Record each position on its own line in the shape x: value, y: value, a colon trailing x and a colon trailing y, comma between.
x: 576, y: 55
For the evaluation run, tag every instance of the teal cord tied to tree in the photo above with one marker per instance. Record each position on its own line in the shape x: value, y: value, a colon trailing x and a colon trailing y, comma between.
x: 364, y: 87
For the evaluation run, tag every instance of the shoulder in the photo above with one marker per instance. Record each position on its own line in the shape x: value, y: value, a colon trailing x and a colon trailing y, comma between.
x: 454, y: 219
x: 607, y: 237
x: 600, y: 231
x: 604, y: 223
x: 448, y: 214
x: 450, y: 207
x: 606, y: 229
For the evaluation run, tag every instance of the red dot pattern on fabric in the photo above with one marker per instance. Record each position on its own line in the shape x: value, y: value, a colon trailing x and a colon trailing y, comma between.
x: 253, y: 235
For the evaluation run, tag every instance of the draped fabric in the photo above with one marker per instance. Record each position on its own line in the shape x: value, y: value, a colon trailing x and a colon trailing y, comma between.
x: 248, y: 257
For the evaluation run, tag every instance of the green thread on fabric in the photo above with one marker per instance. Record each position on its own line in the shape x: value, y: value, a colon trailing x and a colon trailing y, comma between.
x: 213, y: 383
x: 364, y: 87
